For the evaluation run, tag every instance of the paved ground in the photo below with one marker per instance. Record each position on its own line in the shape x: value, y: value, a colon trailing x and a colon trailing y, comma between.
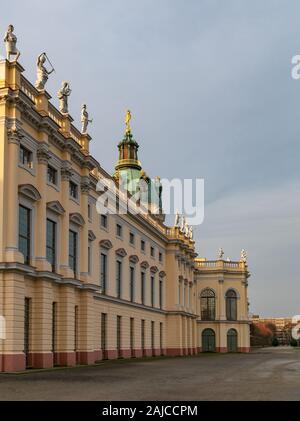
x: 265, y: 374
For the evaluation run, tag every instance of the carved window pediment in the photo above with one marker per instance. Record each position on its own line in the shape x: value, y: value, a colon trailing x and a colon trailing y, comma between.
x: 121, y: 252
x: 56, y: 207
x: 154, y: 269
x: 29, y: 191
x: 133, y: 258
x: 144, y: 264
x: 106, y: 244
x: 77, y: 219
x: 92, y: 236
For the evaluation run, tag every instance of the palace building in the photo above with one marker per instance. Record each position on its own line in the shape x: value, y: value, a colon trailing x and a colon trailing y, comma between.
x: 77, y: 286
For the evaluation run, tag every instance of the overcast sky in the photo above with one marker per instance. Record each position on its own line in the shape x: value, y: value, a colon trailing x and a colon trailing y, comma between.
x: 210, y: 88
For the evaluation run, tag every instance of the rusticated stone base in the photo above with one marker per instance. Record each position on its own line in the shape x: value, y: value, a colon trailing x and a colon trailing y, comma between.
x: 111, y: 354
x: 221, y: 349
x: 244, y: 349
x: 65, y: 358
x: 85, y: 357
x: 40, y: 360
x: 174, y: 352
x: 12, y: 362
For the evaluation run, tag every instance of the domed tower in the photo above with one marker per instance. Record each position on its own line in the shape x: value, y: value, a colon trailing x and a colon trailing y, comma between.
x: 131, y: 176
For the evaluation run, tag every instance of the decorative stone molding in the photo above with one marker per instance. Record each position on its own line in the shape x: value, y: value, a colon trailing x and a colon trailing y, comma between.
x: 154, y: 269
x: 133, y: 258
x: 144, y: 264
x: 85, y: 184
x: 162, y: 274
x: 91, y: 235
x: 43, y: 154
x: 77, y: 219
x: 121, y: 252
x: 29, y: 191
x: 106, y: 244
x: 56, y: 207
x: 66, y: 171
x: 14, y: 135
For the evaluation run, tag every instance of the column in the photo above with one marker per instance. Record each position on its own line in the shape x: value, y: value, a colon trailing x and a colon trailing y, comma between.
x: 66, y: 327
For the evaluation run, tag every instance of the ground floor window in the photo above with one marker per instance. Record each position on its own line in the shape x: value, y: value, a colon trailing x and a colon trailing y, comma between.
x: 208, y: 340
x: 119, y: 336
x: 103, y: 334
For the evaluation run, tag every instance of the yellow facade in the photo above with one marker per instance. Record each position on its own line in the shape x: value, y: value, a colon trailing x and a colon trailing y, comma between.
x: 55, y: 316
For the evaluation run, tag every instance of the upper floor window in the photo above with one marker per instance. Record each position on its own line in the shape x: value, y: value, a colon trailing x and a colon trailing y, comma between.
x: 143, y: 245
x: 52, y: 175
x: 51, y: 243
x: 119, y: 230
x: 103, y: 272
x: 131, y: 238
x: 73, y: 251
x: 152, y: 251
x: 24, y: 232
x: 160, y: 293
x: 152, y: 291
x: 103, y: 219
x: 160, y: 257
x: 89, y: 211
x: 73, y: 190
x: 131, y: 283
x: 208, y: 304
x: 231, y: 305
x: 119, y: 278
x: 89, y: 257
x: 26, y: 157
x: 143, y: 287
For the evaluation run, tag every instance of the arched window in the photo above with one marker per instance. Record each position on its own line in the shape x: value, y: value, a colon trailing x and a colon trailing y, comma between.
x: 208, y: 304
x: 231, y: 305
x: 208, y: 341
x: 232, y: 336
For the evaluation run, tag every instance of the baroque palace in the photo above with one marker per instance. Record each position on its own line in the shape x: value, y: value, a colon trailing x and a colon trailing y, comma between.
x: 77, y: 286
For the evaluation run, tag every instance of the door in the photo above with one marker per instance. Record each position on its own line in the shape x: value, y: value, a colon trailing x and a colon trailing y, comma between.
x: 208, y: 341
x: 26, y: 330
x: 232, y: 340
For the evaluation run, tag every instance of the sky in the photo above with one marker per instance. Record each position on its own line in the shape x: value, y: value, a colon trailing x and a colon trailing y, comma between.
x: 209, y: 86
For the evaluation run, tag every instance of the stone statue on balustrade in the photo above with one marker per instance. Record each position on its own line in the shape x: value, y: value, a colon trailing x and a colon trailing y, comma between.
x: 42, y: 72
x: 84, y: 119
x: 220, y: 253
x: 10, y: 40
x: 177, y: 219
x: 186, y: 229
x: 191, y: 233
x: 182, y: 225
x: 244, y: 255
x: 63, y: 94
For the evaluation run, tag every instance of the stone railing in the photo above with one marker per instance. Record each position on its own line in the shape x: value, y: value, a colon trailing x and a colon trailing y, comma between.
x: 28, y: 89
x: 219, y: 264
x: 54, y: 114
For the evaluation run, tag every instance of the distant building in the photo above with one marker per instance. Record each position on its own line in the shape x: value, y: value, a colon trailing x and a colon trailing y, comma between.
x: 281, y: 324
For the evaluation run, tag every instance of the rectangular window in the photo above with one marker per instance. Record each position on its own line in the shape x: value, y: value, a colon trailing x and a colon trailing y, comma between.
x: 103, y: 333
x: 26, y: 157
x: 152, y: 251
x: 89, y: 258
x: 143, y: 287
x: 54, y: 326
x: 73, y: 251
x: 152, y: 291
x: 119, y: 230
x: 152, y: 337
x: 119, y: 278
x: 51, y: 243
x: 76, y: 325
x: 160, y: 257
x: 73, y: 190
x: 27, y: 329
x: 103, y: 272
x: 161, y: 337
x: 90, y: 212
x: 143, y: 336
x: 160, y: 293
x: 103, y: 221
x: 131, y: 238
x: 52, y: 175
x: 119, y: 335
x: 24, y: 232
x: 143, y: 245
x: 131, y: 335
x: 179, y: 292
x: 131, y: 280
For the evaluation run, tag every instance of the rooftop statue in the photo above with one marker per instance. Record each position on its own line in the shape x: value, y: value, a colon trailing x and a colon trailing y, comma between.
x: 63, y: 94
x: 42, y: 72
x: 244, y: 255
x: 220, y: 253
x: 84, y: 119
x: 182, y: 225
x: 191, y: 233
x: 177, y: 219
x: 127, y: 121
x: 10, y: 40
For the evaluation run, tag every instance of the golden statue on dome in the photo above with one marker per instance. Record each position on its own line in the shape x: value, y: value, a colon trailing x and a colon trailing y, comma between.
x: 127, y: 122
